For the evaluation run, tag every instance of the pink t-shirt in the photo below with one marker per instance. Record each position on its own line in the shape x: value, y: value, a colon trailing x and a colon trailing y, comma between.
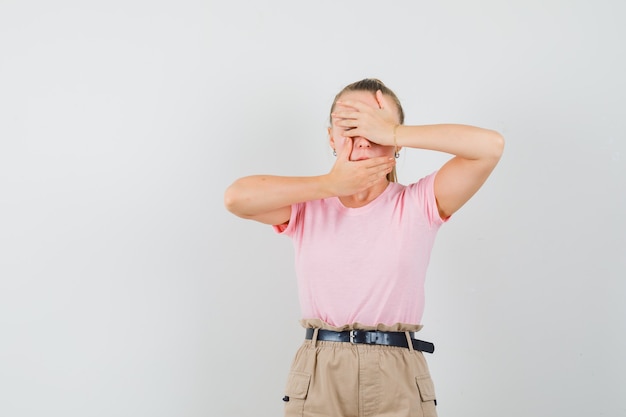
x: 365, y: 265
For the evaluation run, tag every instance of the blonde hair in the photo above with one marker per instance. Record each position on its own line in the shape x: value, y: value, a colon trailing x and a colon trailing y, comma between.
x: 372, y: 85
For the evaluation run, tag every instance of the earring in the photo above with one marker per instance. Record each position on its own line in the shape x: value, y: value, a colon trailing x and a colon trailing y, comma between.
x: 397, y: 155
x: 334, y: 152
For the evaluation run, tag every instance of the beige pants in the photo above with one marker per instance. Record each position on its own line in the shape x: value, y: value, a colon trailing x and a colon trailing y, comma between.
x: 335, y: 379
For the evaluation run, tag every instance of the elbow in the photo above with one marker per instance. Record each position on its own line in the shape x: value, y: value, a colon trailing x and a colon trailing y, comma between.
x: 239, y: 198
x: 497, y: 145
x: 232, y: 199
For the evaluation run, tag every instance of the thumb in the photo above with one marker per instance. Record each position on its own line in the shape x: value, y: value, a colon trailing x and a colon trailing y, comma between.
x: 380, y: 98
x: 344, y: 153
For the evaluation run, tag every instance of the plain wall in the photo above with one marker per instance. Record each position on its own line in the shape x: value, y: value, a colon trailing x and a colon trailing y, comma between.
x: 126, y: 288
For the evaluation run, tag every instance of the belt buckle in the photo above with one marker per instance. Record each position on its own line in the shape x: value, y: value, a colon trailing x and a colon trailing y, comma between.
x: 352, y: 336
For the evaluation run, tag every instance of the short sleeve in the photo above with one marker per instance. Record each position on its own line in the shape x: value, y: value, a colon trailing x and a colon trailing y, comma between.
x: 423, y: 192
x: 288, y: 229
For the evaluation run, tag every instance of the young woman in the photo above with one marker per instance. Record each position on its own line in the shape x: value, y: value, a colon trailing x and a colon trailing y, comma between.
x: 362, y: 244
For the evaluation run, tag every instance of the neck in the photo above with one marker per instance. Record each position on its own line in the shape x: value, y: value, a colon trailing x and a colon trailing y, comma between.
x: 362, y: 198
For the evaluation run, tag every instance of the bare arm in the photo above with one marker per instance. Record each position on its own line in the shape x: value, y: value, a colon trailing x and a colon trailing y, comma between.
x: 268, y: 199
x: 476, y: 151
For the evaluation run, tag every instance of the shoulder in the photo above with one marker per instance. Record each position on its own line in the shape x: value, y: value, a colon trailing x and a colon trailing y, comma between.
x: 422, y: 193
x: 424, y: 186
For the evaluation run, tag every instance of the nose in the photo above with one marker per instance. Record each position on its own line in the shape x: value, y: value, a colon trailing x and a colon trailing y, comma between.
x: 361, y: 142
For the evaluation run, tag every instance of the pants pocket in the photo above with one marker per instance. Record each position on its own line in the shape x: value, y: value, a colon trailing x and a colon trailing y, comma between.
x: 296, y: 393
x: 427, y: 395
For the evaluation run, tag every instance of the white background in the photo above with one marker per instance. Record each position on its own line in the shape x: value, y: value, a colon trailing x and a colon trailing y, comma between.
x: 126, y: 288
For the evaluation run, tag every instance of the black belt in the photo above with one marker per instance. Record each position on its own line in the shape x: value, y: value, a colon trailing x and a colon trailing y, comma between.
x: 371, y: 338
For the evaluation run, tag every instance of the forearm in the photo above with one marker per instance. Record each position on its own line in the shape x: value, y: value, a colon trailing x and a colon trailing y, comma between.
x: 468, y: 142
x: 259, y: 194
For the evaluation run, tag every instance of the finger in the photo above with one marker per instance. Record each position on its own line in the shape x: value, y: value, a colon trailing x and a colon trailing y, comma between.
x: 345, y: 114
x: 379, y: 99
x: 358, y: 105
x: 382, y: 101
x: 351, y: 132
x: 382, y: 162
x: 378, y: 176
x: 346, y: 122
x: 343, y: 107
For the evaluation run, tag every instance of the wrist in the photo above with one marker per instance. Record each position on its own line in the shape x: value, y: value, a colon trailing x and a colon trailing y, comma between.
x: 395, y: 137
x: 325, y: 186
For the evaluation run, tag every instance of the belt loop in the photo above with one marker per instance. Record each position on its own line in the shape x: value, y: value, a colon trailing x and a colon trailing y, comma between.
x: 409, y: 341
x: 314, y: 337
